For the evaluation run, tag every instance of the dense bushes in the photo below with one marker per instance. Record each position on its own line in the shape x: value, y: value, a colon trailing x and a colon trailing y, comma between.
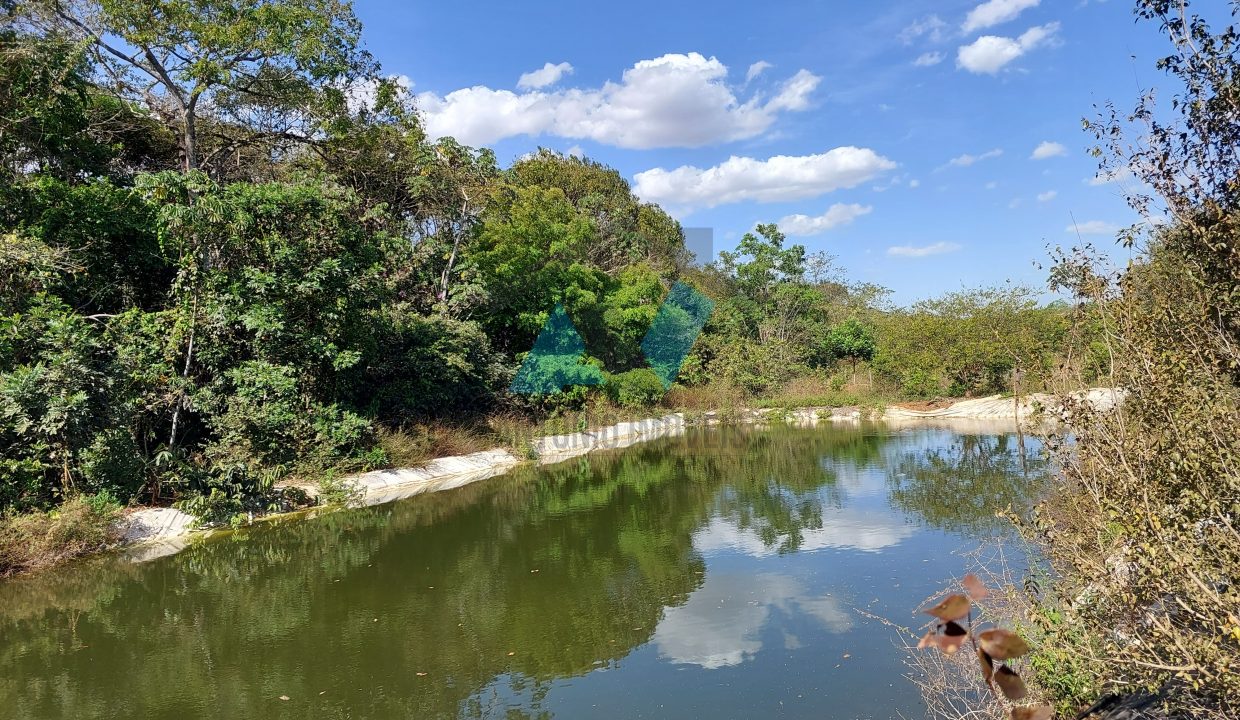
x: 634, y: 389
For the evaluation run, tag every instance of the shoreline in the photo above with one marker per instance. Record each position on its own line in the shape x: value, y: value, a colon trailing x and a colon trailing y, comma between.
x: 150, y: 533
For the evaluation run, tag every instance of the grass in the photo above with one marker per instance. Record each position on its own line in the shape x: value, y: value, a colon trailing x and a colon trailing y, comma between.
x: 37, y: 540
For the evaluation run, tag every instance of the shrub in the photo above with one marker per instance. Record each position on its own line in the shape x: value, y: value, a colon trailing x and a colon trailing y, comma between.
x: 40, y: 539
x: 640, y: 388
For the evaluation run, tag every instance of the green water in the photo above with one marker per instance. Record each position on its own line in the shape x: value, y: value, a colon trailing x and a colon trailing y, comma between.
x: 723, y: 574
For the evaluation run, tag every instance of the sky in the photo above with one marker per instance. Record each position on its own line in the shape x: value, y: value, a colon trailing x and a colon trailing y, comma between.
x: 929, y: 146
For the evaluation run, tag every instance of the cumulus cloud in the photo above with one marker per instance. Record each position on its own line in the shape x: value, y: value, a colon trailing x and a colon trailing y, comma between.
x: 937, y: 248
x: 776, y: 179
x: 757, y: 69
x: 995, y: 12
x: 928, y: 59
x: 931, y: 27
x: 722, y: 623
x: 670, y: 101
x: 989, y: 53
x: 1047, y: 196
x: 835, y: 216
x: 1093, y: 227
x: 548, y: 74
x: 1048, y: 149
x: 966, y: 160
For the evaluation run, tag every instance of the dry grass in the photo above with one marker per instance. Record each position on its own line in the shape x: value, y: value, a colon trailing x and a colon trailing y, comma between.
x: 39, y: 540
x: 716, y: 396
x: 419, y: 444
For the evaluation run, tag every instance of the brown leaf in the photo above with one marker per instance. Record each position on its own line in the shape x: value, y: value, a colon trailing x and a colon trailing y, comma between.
x: 947, y: 637
x: 1010, y: 683
x: 1003, y: 645
x: 1033, y: 712
x: 974, y: 587
x: 988, y: 665
x: 952, y: 637
x: 953, y: 607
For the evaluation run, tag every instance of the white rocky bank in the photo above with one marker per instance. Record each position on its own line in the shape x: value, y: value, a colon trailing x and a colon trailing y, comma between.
x: 155, y: 532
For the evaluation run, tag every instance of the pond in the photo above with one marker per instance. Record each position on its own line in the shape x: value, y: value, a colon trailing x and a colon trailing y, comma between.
x: 725, y: 573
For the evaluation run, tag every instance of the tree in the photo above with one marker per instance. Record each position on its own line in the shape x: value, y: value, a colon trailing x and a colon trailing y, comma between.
x: 266, y: 67
x: 852, y: 340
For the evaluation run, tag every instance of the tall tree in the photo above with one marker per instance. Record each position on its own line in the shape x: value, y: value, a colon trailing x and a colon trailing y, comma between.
x: 264, y: 69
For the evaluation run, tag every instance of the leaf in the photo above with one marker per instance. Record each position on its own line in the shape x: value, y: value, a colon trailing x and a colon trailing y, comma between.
x: 953, y: 607
x: 947, y: 637
x: 988, y: 665
x: 1033, y: 712
x: 1003, y: 645
x: 1010, y: 683
x: 974, y: 587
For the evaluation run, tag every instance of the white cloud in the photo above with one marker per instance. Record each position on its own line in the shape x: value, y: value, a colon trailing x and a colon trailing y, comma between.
x: 989, y: 53
x: 670, y: 101
x: 930, y: 27
x: 757, y: 69
x: 937, y: 248
x: 1048, y: 149
x: 966, y: 160
x: 776, y: 179
x: 548, y: 74
x: 994, y: 13
x: 928, y: 59
x: 1047, y: 196
x: 835, y: 216
x: 576, y: 151
x: 722, y: 622
x: 1093, y: 227
x: 914, y: 183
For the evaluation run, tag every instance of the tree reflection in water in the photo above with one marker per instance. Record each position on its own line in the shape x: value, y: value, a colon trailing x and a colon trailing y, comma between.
x: 474, y: 602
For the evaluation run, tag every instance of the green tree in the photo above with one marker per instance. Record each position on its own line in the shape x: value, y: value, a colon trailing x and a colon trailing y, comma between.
x: 258, y: 65
x: 851, y: 340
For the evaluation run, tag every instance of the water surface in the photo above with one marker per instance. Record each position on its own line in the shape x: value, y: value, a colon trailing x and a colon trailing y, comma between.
x: 728, y: 573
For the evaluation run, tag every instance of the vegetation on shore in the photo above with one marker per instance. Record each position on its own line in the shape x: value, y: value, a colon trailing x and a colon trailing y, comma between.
x: 1135, y: 613
x: 235, y: 259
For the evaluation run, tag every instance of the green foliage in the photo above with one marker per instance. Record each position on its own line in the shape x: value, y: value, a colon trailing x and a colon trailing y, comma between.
x: 850, y: 340
x: 640, y: 388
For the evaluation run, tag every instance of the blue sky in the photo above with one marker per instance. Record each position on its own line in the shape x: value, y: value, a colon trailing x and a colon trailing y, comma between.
x: 902, y: 137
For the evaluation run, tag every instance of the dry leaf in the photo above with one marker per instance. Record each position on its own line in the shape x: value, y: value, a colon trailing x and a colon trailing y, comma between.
x: 974, y: 587
x: 988, y: 665
x: 953, y: 607
x: 1002, y: 645
x: 512, y: 653
x: 284, y: 697
x: 1033, y: 712
x: 1010, y: 683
